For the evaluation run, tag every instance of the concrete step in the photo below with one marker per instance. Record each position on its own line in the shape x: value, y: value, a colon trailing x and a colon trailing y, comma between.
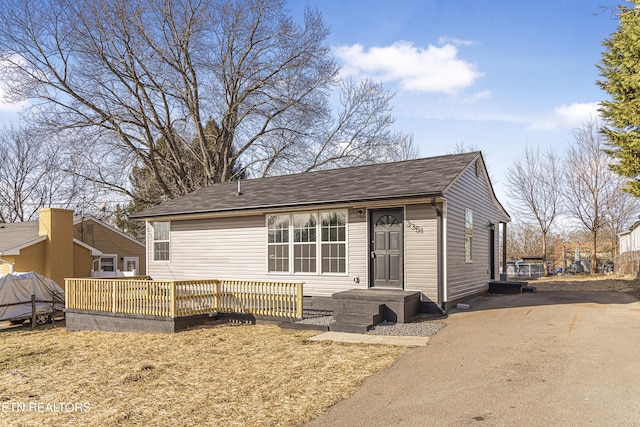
x: 397, y: 306
x: 506, y: 287
x: 355, y: 306
x: 369, y: 319
x: 354, y: 328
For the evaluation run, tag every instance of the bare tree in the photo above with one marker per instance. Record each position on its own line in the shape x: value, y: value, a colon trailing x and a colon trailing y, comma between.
x: 534, y: 182
x: 523, y: 240
x: 189, y: 89
x: 461, y: 148
x: 32, y: 176
x: 593, y: 190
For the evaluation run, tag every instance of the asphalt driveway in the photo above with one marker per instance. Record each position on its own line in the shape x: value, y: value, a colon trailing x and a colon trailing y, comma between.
x: 544, y: 359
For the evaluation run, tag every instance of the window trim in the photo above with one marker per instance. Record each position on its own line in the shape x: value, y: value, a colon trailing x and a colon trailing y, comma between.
x: 113, y: 257
x: 286, y: 244
x: 324, y: 243
x: 154, y: 241
x: 468, y: 235
x: 303, y: 243
x: 318, y: 243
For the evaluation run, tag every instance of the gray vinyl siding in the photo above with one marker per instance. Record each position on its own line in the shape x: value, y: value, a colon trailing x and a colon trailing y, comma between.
x: 235, y: 248
x: 421, y: 246
x: 630, y: 240
x: 470, y: 191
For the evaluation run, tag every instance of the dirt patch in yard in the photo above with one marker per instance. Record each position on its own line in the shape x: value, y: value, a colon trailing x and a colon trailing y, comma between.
x: 588, y: 283
x: 232, y: 375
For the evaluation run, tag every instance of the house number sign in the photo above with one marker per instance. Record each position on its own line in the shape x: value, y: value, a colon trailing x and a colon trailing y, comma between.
x: 414, y: 227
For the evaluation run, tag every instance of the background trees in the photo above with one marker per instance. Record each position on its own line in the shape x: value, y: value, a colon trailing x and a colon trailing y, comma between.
x: 32, y: 175
x: 578, y: 191
x: 593, y: 191
x: 535, y: 183
x: 159, y: 98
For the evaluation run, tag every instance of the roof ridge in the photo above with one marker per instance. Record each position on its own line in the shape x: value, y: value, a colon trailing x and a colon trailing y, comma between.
x: 423, y: 177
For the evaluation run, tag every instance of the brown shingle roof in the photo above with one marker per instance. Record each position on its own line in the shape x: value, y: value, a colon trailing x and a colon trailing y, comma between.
x: 426, y: 177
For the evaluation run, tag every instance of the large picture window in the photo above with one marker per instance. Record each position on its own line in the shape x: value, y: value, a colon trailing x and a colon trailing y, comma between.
x: 161, y: 240
x: 468, y: 235
x: 278, y: 242
x: 307, y: 242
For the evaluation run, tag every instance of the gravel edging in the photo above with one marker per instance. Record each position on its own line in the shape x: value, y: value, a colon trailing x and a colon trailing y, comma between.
x: 413, y: 329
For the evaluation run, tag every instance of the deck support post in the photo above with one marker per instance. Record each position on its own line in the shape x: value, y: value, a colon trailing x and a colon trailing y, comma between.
x: 172, y: 299
x: 299, y: 301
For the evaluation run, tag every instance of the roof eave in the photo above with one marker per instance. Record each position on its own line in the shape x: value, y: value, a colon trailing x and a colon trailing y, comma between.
x: 94, y: 251
x: 16, y: 249
x: 248, y: 210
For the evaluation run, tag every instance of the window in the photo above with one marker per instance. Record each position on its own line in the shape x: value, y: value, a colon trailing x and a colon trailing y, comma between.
x: 334, y: 242
x: 307, y: 242
x: 304, y: 243
x: 161, y: 236
x: 468, y: 235
x: 108, y: 264
x: 278, y: 242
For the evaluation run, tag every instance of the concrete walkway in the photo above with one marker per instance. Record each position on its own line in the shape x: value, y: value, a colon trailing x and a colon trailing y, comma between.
x: 371, y: 339
x: 544, y: 359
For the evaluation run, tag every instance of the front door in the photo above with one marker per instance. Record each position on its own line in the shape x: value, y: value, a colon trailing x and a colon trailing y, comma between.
x: 130, y: 265
x: 387, y: 248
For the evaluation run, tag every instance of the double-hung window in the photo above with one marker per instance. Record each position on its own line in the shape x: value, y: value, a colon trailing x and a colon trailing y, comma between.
x: 468, y: 235
x: 161, y: 240
x: 304, y: 243
x: 307, y: 242
x: 278, y: 242
x: 334, y: 242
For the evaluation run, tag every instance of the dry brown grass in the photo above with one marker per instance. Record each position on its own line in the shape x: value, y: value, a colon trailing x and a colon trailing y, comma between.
x: 231, y: 375
x: 595, y: 282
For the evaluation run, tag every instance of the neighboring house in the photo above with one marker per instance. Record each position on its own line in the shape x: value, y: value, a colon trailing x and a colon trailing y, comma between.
x: 629, y: 262
x: 57, y: 247
x: 428, y: 225
x: 121, y: 254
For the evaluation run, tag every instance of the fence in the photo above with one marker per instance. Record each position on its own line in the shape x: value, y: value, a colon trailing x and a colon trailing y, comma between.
x: 525, y: 271
x: 184, y: 298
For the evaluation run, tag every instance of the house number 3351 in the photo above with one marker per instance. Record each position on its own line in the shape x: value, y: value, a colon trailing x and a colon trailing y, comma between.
x: 414, y: 227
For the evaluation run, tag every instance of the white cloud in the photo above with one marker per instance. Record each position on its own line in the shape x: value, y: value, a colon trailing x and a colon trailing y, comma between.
x: 434, y: 69
x: 568, y: 116
x: 455, y: 41
x: 472, y: 99
x: 578, y: 113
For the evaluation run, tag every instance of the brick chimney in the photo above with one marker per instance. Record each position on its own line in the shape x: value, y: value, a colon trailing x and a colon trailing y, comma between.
x: 57, y: 225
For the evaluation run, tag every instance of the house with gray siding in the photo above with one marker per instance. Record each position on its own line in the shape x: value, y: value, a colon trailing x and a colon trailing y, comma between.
x: 629, y: 259
x: 429, y: 225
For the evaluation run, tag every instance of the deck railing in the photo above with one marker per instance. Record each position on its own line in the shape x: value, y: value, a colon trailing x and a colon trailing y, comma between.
x: 184, y: 298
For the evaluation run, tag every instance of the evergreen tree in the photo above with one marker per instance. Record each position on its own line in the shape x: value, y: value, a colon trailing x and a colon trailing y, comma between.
x: 147, y: 191
x: 620, y: 69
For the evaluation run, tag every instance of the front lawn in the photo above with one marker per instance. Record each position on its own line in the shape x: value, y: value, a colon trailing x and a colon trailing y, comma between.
x: 227, y: 375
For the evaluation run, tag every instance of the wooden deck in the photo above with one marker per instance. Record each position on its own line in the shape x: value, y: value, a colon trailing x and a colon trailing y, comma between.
x: 175, y: 299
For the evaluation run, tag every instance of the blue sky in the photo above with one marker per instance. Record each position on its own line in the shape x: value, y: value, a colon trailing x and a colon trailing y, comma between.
x: 493, y: 74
